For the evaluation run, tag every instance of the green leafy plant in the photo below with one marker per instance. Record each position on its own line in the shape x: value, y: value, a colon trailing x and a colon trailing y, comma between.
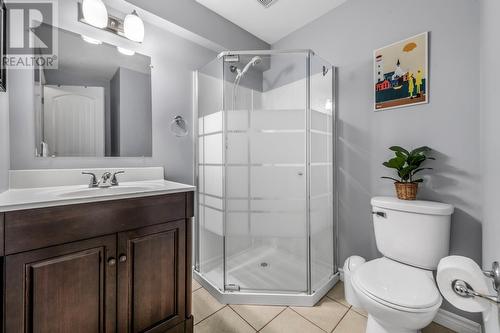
x: 408, y: 163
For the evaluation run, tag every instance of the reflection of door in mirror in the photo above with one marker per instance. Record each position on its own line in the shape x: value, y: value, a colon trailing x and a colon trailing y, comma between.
x: 74, y: 120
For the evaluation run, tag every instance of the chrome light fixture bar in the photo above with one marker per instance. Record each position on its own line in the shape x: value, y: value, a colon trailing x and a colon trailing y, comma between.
x: 116, y: 25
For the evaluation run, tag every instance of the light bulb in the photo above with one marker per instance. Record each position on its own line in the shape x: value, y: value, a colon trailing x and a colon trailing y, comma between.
x: 95, y: 13
x: 329, y: 105
x: 125, y: 51
x: 133, y: 27
x: 91, y: 40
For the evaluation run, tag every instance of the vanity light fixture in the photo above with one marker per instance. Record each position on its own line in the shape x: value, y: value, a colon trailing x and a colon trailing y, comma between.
x: 125, y: 51
x: 91, y: 40
x: 95, y: 13
x: 133, y: 27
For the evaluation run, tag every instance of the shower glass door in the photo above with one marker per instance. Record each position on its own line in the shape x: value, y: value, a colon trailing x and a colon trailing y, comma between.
x: 265, y: 175
x: 321, y: 148
x: 265, y: 211
x: 209, y: 227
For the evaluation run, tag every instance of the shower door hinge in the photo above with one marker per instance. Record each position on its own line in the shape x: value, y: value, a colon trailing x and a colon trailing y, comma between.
x: 232, y: 287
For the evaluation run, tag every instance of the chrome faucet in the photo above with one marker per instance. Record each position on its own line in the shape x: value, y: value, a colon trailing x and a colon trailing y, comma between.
x: 107, y: 179
x: 93, y: 179
x: 114, y: 180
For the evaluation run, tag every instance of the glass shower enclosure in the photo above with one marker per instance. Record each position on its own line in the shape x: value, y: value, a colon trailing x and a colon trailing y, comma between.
x: 265, y: 230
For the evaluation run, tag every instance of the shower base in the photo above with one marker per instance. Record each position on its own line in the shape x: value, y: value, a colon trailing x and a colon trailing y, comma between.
x: 266, y: 276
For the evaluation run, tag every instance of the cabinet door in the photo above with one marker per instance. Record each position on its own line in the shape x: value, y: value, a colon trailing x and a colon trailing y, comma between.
x: 61, y: 289
x: 151, y: 278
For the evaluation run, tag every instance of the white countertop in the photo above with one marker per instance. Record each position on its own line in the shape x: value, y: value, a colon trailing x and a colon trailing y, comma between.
x: 29, y: 198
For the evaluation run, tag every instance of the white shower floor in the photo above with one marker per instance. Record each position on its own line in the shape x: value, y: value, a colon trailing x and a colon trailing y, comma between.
x: 268, y: 268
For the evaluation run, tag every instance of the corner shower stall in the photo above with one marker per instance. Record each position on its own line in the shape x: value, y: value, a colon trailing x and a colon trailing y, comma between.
x: 265, y: 230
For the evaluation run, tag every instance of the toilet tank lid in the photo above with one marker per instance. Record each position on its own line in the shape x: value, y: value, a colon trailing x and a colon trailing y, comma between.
x: 413, y: 206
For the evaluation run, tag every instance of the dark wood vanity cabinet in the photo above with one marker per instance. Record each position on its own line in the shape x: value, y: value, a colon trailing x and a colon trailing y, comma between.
x: 151, y: 278
x: 67, y: 288
x: 136, y: 278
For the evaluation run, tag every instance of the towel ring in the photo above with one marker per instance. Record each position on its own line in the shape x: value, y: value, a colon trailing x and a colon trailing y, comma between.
x: 178, y: 127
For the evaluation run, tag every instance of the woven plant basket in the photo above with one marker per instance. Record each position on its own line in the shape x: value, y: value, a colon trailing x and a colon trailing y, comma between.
x: 406, y: 191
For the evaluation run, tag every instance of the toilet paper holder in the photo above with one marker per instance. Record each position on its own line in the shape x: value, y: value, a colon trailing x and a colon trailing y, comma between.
x: 463, y: 289
x: 494, y: 274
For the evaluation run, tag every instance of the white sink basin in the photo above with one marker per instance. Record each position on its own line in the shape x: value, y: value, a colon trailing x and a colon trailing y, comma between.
x: 58, y: 195
x: 92, y: 192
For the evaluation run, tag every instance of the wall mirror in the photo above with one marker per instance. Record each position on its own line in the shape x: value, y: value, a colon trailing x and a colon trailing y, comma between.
x: 97, y: 103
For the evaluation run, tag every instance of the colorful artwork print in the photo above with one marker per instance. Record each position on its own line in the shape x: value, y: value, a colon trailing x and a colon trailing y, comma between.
x: 401, y: 73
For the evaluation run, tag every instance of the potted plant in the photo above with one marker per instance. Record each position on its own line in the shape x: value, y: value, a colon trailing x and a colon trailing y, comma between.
x: 408, y: 164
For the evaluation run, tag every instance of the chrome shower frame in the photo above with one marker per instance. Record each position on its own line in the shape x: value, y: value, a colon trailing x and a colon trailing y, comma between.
x: 233, y: 296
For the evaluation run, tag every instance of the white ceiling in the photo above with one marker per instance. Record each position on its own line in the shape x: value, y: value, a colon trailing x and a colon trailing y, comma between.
x: 273, y: 23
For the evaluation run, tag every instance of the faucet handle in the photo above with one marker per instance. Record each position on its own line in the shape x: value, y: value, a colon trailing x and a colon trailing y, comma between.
x: 93, y: 178
x: 114, y: 180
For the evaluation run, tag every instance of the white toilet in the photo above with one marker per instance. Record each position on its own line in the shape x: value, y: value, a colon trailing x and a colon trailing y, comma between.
x: 398, y: 291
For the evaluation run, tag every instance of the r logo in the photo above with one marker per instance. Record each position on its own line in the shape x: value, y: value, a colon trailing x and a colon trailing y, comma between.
x: 26, y: 33
x: 31, y: 35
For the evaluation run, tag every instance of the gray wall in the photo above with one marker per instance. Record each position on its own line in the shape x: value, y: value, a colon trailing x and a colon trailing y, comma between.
x: 173, y: 58
x: 490, y: 137
x: 115, y: 114
x: 347, y: 37
x: 135, y: 113
x: 4, y: 141
x: 196, y: 18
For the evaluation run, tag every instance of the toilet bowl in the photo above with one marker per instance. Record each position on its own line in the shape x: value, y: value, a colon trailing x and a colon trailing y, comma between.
x: 398, y: 290
x: 398, y: 298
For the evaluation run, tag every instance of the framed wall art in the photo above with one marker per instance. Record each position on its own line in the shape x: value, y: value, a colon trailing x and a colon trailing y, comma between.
x: 401, y: 76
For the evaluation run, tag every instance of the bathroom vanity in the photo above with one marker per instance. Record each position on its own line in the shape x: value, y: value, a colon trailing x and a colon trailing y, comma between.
x: 118, y: 260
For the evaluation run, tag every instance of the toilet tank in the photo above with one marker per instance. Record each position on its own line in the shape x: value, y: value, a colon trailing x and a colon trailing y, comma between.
x: 416, y: 233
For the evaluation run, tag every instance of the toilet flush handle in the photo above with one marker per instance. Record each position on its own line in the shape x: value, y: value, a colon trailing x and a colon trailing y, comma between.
x: 380, y: 214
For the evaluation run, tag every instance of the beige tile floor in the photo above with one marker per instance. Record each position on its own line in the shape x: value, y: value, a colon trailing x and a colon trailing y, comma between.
x: 331, y: 314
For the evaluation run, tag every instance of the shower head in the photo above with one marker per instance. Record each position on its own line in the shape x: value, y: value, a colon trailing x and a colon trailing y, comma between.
x: 240, y: 73
x: 253, y: 62
x: 256, y: 60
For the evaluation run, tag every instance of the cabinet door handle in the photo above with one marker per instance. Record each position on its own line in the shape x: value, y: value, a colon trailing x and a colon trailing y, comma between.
x: 123, y: 258
x: 111, y: 261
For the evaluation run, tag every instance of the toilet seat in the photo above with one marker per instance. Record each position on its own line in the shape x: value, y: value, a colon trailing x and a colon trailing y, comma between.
x: 398, y: 286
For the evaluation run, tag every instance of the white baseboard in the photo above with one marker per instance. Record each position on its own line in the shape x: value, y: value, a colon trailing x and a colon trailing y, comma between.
x: 457, y: 323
